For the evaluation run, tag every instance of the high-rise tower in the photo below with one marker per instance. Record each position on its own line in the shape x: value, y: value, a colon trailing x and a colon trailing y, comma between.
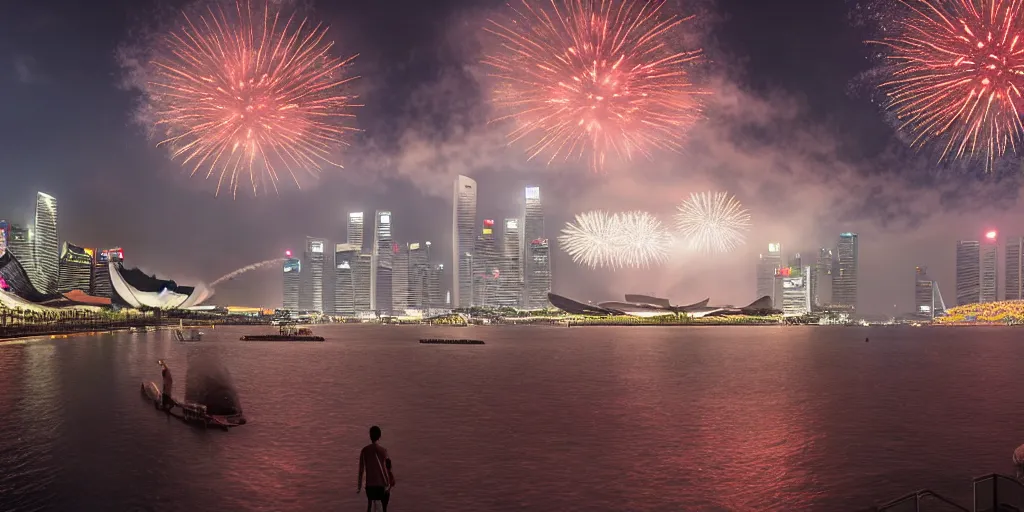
x: 536, y: 266
x: 989, y: 276
x: 485, y: 267
x: 20, y: 245
x: 1014, y: 288
x: 292, y: 281
x: 47, y: 246
x: 355, y: 229
x: 511, y: 265
x: 383, y: 251
x: 345, y: 279
x: 844, y: 279
x: 463, y: 241
x: 312, y: 296
x: 75, y: 269
x: 768, y: 265
x: 968, y: 272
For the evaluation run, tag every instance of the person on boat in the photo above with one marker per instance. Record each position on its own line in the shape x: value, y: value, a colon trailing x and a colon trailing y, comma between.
x: 167, y: 403
x: 374, y: 461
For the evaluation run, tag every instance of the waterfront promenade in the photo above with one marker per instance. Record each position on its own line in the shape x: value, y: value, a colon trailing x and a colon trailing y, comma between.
x: 20, y: 324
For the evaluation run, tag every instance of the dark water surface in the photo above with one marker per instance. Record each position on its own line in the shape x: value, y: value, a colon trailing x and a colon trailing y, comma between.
x: 540, y: 418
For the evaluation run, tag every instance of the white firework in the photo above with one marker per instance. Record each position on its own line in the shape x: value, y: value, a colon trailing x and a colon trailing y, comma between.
x: 640, y: 240
x: 601, y: 240
x: 713, y: 222
x: 590, y: 241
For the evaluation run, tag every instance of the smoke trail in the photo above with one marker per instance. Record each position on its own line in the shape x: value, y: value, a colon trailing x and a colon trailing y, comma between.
x: 245, y: 269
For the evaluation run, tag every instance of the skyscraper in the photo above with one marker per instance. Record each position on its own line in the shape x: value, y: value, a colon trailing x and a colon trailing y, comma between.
x: 844, y: 279
x: 344, y: 279
x: 383, y: 251
x: 796, y: 290
x: 767, y: 266
x: 463, y: 241
x: 5, y: 231
x: 989, y: 276
x: 485, y: 267
x: 419, y: 276
x: 292, y: 281
x: 510, y: 278
x: 101, y: 286
x: 435, y: 299
x: 75, y: 269
x: 1014, y: 268
x: 968, y: 272
x: 362, y: 269
x: 401, y: 277
x: 21, y: 247
x: 536, y: 281
x: 539, y: 278
x: 927, y: 297
x: 355, y: 229
x: 47, y: 246
x: 312, y: 296
x: 821, y: 285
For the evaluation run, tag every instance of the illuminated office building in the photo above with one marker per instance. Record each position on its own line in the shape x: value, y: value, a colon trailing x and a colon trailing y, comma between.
x: 355, y: 229
x: 486, y: 271
x: 362, y: 269
x: 311, y: 298
x: 292, y: 282
x: 927, y: 298
x: 538, y: 279
x: 383, y: 253
x: 510, y: 279
x: 768, y: 265
x: 844, y: 278
x: 796, y: 290
x: 21, y: 247
x: 47, y: 246
x: 463, y: 242
x: 968, y: 272
x: 1014, y: 288
x: 75, y: 269
x: 101, y: 286
x: 989, y: 269
x: 345, y: 256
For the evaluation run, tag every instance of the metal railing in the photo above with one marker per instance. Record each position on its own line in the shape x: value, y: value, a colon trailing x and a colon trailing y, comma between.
x: 921, y: 501
x: 998, y: 493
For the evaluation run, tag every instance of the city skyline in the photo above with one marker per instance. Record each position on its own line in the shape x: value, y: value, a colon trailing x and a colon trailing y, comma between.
x: 790, y: 148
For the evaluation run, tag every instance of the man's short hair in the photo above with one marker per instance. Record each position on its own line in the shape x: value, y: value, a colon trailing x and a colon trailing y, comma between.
x: 374, y: 433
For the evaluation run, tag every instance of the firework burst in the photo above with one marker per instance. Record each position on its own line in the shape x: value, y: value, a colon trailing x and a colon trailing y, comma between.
x: 592, y: 77
x: 958, y: 75
x: 249, y: 94
x: 712, y: 222
x: 601, y: 240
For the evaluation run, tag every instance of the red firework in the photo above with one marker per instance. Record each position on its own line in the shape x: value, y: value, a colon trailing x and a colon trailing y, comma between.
x: 245, y: 92
x: 958, y: 74
x: 592, y: 77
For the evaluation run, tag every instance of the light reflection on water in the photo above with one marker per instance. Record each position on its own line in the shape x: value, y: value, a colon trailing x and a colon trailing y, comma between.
x: 766, y: 418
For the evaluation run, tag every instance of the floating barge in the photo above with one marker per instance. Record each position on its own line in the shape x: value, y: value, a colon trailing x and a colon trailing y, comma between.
x: 286, y: 333
x: 443, y: 341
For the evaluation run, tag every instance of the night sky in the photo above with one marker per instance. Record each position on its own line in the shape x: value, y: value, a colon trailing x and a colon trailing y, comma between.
x: 794, y: 131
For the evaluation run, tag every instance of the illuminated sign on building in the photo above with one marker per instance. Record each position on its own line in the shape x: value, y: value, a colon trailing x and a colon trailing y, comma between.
x: 385, y: 219
x: 292, y: 265
x: 533, y: 192
x: 316, y: 246
x: 511, y: 224
x: 488, y: 223
x: 415, y: 246
x: 355, y: 215
x: 774, y: 247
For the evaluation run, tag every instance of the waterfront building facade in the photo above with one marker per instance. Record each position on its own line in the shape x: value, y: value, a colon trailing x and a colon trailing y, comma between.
x: 101, y: 286
x: 796, y: 290
x: 510, y: 277
x: 767, y: 266
x: 463, y: 241
x: 312, y: 295
x: 968, y: 272
x: 989, y: 269
x: 383, y: 251
x: 362, y: 269
x: 345, y: 256
x: 1014, y: 265
x: 486, y: 272
x: 76, y: 265
x: 928, y: 301
x: 47, y: 246
x: 292, y: 282
x: 844, y: 278
x: 821, y: 286
x: 21, y: 247
x: 538, y: 283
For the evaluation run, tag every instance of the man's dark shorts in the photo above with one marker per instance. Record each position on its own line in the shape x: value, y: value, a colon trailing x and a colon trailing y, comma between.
x: 378, y: 494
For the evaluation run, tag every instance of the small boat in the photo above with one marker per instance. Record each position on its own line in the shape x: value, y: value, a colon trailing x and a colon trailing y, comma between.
x: 442, y: 341
x: 190, y: 412
x: 287, y: 332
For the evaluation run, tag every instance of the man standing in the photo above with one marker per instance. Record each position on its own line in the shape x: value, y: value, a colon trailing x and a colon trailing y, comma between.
x: 374, y: 461
x: 167, y: 402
